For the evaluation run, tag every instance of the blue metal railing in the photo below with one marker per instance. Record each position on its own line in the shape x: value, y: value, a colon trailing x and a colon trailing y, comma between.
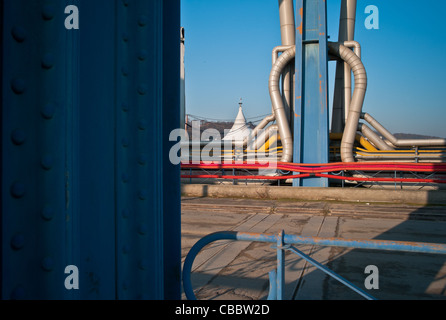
x: 284, y: 242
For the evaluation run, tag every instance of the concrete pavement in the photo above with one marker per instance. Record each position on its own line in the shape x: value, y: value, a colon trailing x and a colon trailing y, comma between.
x: 239, y: 270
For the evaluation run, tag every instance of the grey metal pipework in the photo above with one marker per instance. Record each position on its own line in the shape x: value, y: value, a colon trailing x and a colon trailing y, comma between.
x: 354, y: 45
x: 342, y: 94
x: 357, y: 101
x: 276, y: 51
x: 288, y: 35
x: 257, y: 129
x: 287, y: 23
x: 401, y: 142
x: 277, y: 103
x: 374, y: 138
x: 348, y: 77
x: 264, y: 136
x: 287, y: 27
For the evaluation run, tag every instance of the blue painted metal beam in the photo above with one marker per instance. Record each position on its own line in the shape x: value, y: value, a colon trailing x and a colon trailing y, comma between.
x: 311, y: 130
x: 85, y: 174
x: 171, y: 120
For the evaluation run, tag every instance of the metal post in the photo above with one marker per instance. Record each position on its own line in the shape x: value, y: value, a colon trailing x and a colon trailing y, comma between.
x: 311, y: 131
x: 280, y: 277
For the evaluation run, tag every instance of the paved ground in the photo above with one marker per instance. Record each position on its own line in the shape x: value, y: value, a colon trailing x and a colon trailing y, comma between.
x: 239, y: 270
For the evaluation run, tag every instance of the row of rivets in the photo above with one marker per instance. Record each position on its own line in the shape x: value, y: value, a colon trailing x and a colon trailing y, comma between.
x: 18, y: 138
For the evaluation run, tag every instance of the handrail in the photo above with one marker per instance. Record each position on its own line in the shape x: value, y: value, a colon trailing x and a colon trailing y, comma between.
x: 284, y: 241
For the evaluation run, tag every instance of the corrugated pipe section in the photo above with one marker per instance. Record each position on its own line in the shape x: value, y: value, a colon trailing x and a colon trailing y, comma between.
x: 357, y: 101
x: 277, y: 103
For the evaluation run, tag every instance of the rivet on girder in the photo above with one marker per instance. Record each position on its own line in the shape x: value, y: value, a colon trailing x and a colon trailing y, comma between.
x: 125, y: 177
x: 143, y: 20
x: 143, y: 54
x: 142, y: 159
x: 143, y: 264
x: 18, y: 33
x: 142, y: 124
x: 143, y: 194
x: 143, y: 229
x: 47, y: 264
x: 17, y: 190
x: 18, y: 137
x: 47, y: 213
x: 18, y: 86
x: 142, y: 89
x: 47, y: 162
x: 48, y: 110
x: 18, y: 241
x: 48, y: 12
x: 48, y: 61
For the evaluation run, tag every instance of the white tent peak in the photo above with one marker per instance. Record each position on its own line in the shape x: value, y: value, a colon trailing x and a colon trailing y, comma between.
x: 240, y: 129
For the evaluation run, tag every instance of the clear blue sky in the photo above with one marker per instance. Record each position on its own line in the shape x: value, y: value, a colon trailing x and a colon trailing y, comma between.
x: 228, y: 57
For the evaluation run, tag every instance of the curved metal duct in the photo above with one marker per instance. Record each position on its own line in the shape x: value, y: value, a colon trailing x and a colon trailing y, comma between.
x: 259, y: 127
x: 277, y: 103
x: 288, y: 35
x: 342, y: 93
x: 401, y: 142
x: 264, y: 136
x: 374, y: 138
x: 357, y: 101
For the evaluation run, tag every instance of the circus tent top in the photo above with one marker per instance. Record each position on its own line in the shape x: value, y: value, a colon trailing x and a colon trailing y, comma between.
x: 240, y: 130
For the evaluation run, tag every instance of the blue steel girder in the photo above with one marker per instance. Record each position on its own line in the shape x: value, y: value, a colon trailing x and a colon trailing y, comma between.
x: 311, y: 129
x: 85, y: 116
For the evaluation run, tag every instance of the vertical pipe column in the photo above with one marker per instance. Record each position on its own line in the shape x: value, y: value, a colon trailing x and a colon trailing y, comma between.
x: 288, y: 33
x: 311, y: 112
x: 280, y: 280
x: 342, y: 91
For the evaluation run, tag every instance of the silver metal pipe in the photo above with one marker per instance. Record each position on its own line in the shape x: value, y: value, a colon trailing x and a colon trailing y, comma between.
x: 288, y: 34
x: 359, y: 92
x: 420, y: 158
x: 354, y: 45
x: 287, y: 23
x: 401, y: 142
x: 342, y: 91
x: 264, y: 136
x: 373, y: 137
x: 278, y: 50
x: 259, y: 127
x: 277, y: 103
x: 348, y: 78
